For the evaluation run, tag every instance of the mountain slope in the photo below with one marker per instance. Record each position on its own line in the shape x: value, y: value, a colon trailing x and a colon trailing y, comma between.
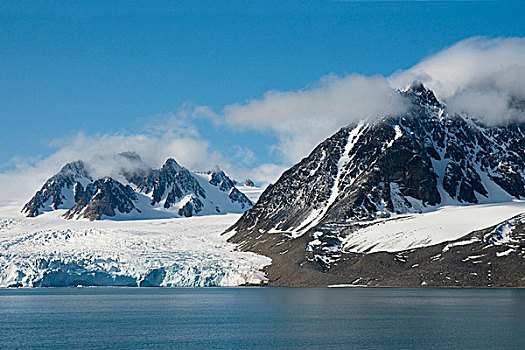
x: 490, y: 257
x: 341, y: 204
x: 103, y: 198
x: 401, y: 164
x: 60, y: 191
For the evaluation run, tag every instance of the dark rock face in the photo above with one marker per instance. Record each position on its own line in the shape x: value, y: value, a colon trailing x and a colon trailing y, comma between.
x: 394, y: 165
x: 194, y: 205
x: 237, y: 196
x: 173, y: 180
x: 397, y: 164
x: 59, y: 189
x: 288, y: 202
x: 103, y: 197
x: 221, y: 180
x: 225, y: 184
x: 249, y: 183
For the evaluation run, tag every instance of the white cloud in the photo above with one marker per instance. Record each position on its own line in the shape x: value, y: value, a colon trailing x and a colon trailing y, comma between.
x: 301, y: 119
x: 99, y: 151
x: 263, y: 174
x: 244, y: 155
x: 191, y: 152
x: 490, y: 105
x: 478, y: 75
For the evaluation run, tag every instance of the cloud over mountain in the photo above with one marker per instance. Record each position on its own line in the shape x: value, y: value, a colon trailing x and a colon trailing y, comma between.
x: 303, y: 118
x: 480, y: 76
x: 101, y: 155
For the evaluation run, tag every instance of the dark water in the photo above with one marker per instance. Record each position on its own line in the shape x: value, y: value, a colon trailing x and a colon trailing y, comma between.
x: 262, y: 318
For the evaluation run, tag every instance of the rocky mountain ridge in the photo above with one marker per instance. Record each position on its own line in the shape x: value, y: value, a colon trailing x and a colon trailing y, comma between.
x: 169, y: 191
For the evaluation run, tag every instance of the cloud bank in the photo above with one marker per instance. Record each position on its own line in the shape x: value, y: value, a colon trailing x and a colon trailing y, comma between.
x: 180, y: 141
x: 480, y: 76
x: 302, y: 119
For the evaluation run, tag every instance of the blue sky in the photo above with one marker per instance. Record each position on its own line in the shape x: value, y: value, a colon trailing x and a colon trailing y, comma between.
x: 126, y: 68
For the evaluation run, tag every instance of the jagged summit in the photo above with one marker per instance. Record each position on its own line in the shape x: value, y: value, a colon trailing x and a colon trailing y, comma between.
x: 422, y: 96
x: 172, y: 164
x: 398, y: 164
x: 169, y: 191
x: 61, y: 190
x: 73, y: 169
x: 170, y: 184
x: 218, y: 178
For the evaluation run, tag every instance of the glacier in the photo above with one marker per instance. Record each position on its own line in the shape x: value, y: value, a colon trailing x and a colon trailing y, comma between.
x: 48, y: 251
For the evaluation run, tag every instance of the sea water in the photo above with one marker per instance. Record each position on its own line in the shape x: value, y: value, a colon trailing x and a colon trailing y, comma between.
x: 262, y: 318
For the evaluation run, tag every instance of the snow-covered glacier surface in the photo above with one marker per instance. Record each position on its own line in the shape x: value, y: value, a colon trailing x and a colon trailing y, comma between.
x: 50, y: 251
x: 408, y: 231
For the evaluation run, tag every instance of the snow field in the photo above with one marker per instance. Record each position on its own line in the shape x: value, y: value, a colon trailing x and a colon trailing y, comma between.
x: 419, y: 230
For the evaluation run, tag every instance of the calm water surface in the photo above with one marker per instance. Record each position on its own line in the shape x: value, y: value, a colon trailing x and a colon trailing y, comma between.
x: 262, y: 318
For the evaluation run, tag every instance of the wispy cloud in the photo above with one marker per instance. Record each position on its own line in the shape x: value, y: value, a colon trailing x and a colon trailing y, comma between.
x: 163, y: 136
x: 482, y: 76
x: 303, y: 118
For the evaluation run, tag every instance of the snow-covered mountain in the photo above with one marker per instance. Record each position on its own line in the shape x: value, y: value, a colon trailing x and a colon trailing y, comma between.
x: 144, y: 193
x: 348, y: 195
x: 425, y: 198
x: 61, y: 190
x: 401, y: 164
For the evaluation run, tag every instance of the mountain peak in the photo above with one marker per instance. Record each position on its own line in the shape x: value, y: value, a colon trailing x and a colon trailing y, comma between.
x: 76, y: 169
x: 216, y: 169
x: 422, y: 95
x: 53, y: 195
x: 418, y: 86
x: 220, y: 179
x: 404, y: 164
x: 171, y: 163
